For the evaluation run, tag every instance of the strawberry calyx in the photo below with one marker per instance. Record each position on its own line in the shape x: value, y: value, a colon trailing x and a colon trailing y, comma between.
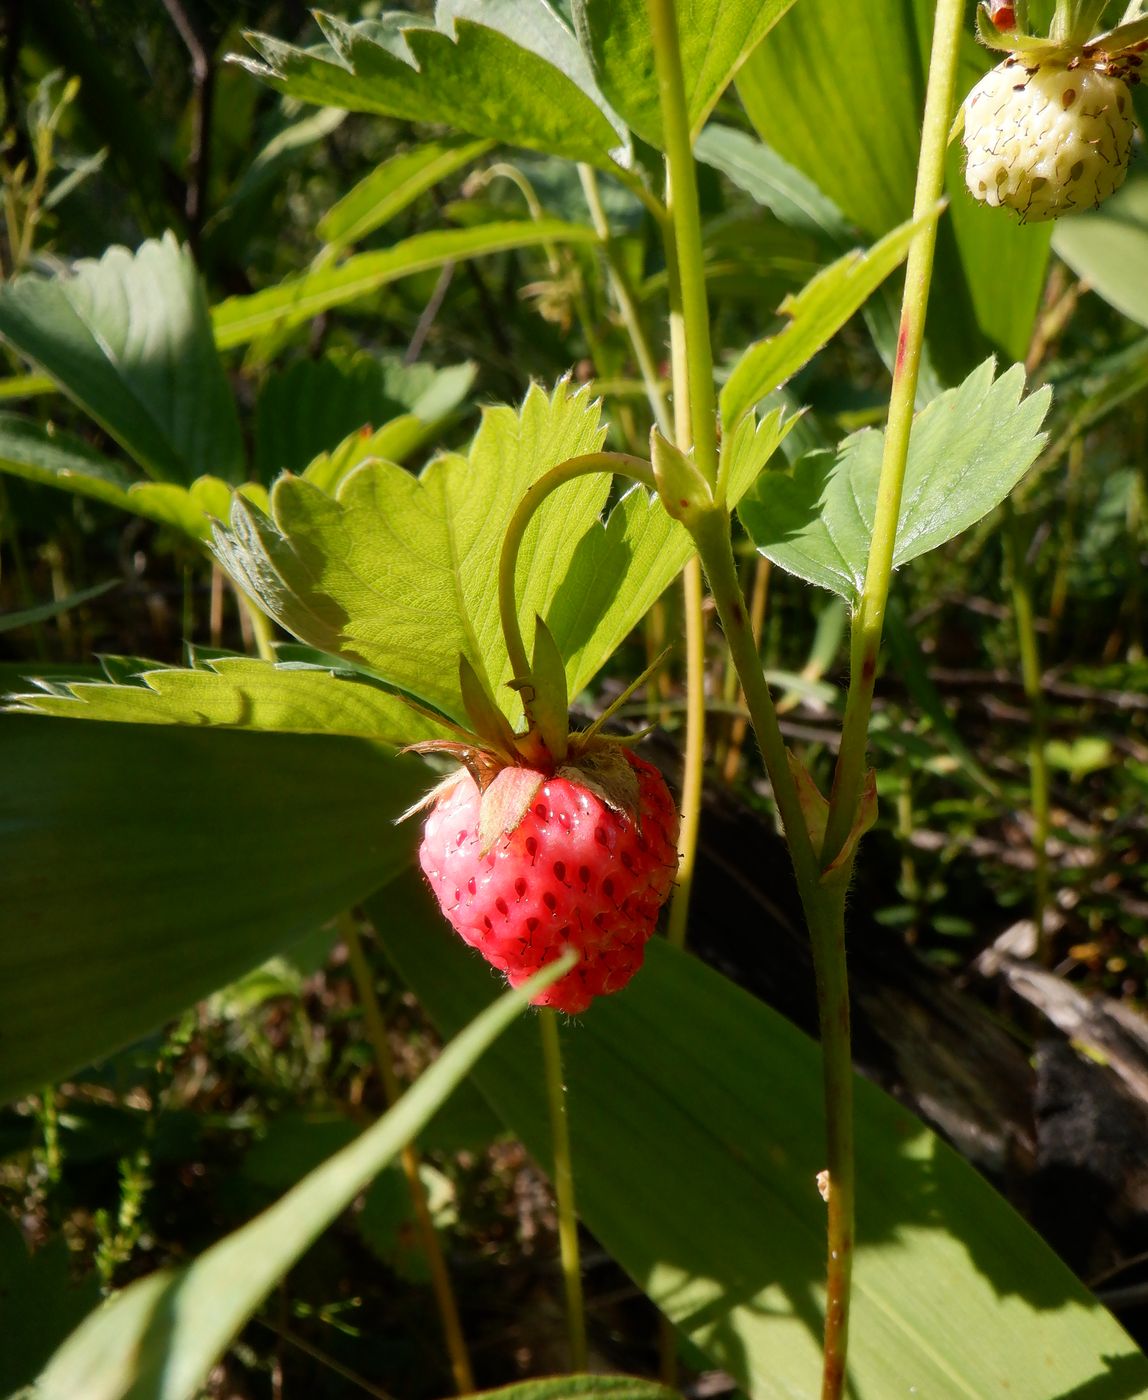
x: 1070, y: 42
x: 509, y: 768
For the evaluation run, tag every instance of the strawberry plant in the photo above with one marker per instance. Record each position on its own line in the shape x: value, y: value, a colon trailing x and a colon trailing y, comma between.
x: 424, y: 605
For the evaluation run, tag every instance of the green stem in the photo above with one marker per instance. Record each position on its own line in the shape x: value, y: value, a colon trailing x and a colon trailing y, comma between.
x: 693, y: 758
x: 712, y: 537
x: 687, y: 260
x: 564, y: 1189
x: 689, y: 347
x: 614, y: 463
x: 1020, y: 584
x: 392, y: 1091
x: 869, y: 617
x: 824, y: 908
x: 627, y: 302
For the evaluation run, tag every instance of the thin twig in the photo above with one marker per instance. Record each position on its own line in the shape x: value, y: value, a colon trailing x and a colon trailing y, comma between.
x: 203, y: 82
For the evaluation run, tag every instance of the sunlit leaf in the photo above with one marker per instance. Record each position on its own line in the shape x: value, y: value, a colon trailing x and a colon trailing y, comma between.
x: 161, y: 1336
x: 622, y: 567
x: 816, y: 314
x: 968, y: 449
x: 714, y: 36
x: 393, y: 185
x: 697, y: 1139
x: 128, y: 338
x: 400, y: 572
x: 243, y: 693
x: 516, y: 76
x: 240, y: 319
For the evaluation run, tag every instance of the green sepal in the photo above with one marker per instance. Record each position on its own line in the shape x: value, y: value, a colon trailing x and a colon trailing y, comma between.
x: 684, y: 492
x: 1124, y: 35
x: 551, y: 703
x: 616, y: 704
x: 488, y: 721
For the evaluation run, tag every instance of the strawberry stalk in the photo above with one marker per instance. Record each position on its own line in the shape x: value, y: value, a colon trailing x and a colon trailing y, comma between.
x: 564, y: 1189
x: 611, y: 463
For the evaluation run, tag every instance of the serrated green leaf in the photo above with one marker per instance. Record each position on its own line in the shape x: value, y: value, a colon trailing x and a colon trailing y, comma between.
x: 1108, y: 247
x: 191, y: 855
x: 967, y: 451
x: 314, y: 405
x: 686, y: 1082
x: 400, y: 572
x: 243, y: 693
x: 297, y: 299
x: 392, y: 186
x: 816, y: 313
x: 714, y: 36
x: 328, y: 469
x: 161, y: 1336
x: 129, y: 340
x: 819, y: 72
x: 528, y: 87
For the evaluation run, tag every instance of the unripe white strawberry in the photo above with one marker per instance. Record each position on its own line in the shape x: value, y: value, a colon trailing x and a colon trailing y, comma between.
x: 1047, y: 140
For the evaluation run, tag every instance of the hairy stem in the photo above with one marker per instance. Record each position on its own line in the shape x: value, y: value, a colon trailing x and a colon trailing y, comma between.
x: 564, y: 1189
x: 392, y: 1091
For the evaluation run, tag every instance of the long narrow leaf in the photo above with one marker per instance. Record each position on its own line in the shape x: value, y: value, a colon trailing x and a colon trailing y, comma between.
x: 161, y: 1336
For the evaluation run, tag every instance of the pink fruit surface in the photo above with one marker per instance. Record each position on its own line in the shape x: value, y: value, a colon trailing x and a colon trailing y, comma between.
x: 575, y: 872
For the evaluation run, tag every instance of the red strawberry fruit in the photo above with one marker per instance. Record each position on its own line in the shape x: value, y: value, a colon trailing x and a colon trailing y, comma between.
x: 529, y: 864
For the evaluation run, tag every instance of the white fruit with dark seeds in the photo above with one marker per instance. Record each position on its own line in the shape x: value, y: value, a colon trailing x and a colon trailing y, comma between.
x: 1047, y: 141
